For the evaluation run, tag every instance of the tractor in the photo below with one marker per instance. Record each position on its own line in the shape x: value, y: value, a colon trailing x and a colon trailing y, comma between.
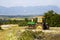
x: 40, y: 24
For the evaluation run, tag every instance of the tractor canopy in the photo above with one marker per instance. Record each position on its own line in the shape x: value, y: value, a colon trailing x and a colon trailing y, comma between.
x: 31, y: 23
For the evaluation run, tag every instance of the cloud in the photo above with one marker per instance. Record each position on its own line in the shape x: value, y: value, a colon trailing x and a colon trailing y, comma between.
x: 10, y: 3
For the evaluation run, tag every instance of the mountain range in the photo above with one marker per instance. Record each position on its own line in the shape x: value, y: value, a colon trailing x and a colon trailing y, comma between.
x: 30, y: 10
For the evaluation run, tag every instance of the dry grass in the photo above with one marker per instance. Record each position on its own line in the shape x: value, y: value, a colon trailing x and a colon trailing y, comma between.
x: 50, y: 35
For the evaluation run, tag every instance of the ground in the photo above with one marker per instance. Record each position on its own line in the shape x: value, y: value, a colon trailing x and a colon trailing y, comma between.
x: 52, y: 34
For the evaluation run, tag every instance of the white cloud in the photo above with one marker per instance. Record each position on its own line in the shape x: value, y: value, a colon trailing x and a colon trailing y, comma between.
x: 9, y: 3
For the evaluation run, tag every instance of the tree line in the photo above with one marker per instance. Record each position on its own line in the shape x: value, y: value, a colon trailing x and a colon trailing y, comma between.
x: 19, y: 22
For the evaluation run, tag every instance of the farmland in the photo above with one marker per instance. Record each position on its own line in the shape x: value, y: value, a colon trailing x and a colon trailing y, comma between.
x: 52, y: 34
x: 38, y: 25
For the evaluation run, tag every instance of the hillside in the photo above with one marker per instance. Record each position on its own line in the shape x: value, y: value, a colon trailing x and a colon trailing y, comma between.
x: 30, y: 10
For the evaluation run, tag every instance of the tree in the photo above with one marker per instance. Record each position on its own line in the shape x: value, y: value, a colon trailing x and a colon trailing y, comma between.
x: 26, y: 19
x: 52, y: 18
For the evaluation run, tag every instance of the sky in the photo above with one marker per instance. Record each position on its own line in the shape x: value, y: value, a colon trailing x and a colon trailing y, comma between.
x: 12, y: 3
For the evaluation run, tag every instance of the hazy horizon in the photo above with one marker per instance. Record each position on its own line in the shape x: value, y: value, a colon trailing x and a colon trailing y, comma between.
x: 28, y: 7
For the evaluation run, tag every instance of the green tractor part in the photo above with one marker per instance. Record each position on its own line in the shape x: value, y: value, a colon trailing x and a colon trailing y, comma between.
x: 31, y: 25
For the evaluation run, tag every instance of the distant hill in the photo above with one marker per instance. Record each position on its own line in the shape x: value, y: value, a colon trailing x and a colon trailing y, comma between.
x: 31, y: 10
x: 18, y: 16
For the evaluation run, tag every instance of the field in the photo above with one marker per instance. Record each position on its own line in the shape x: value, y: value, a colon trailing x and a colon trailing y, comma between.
x: 52, y: 34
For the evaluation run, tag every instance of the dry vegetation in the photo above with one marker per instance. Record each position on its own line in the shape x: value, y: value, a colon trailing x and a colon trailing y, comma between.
x: 54, y: 33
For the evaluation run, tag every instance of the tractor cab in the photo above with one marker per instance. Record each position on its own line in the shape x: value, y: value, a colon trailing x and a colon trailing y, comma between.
x: 41, y: 24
